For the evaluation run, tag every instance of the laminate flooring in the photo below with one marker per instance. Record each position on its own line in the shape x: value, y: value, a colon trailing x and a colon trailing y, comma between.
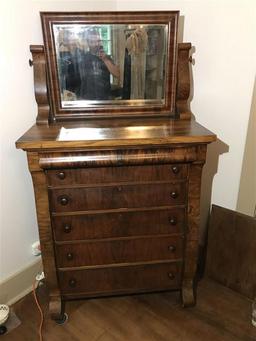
x: 220, y: 314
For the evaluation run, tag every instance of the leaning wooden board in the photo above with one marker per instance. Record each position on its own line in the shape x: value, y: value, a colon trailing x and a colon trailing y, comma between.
x: 231, y: 256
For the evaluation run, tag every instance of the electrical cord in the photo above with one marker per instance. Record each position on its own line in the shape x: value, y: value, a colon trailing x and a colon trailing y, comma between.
x: 35, y: 285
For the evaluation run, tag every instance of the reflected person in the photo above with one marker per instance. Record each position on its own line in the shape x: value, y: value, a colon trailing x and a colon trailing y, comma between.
x: 96, y: 69
x: 70, y: 56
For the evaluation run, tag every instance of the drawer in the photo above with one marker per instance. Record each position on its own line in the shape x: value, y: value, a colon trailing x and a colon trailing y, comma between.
x: 118, y: 224
x: 119, y: 251
x: 126, y: 279
x: 116, y: 174
x: 122, y: 196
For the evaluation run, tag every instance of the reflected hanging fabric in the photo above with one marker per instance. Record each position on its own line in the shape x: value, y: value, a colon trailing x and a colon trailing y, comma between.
x: 136, y: 45
x: 127, y: 76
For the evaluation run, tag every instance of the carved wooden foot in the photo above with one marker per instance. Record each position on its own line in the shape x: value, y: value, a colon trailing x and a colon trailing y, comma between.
x: 56, y: 309
x: 188, y: 293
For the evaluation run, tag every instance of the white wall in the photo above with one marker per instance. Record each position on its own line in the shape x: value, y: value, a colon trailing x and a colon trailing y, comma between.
x: 246, y: 202
x: 20, y: 26
x: 223, y: 33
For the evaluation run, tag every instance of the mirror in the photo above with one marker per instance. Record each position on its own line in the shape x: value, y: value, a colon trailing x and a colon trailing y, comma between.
x: 111, y: 63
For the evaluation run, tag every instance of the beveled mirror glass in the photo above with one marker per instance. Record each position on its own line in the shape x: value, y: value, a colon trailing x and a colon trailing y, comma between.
x: 114, y: 63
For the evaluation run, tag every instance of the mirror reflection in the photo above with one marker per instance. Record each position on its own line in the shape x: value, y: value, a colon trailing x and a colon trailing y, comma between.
x: 110, y: 63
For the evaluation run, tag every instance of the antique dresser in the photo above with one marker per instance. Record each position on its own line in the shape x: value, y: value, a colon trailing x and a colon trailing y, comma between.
x: 116, y: 180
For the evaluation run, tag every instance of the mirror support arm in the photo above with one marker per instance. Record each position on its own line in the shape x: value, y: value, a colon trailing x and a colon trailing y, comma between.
x: 183, y: 82
x: 40, y: 80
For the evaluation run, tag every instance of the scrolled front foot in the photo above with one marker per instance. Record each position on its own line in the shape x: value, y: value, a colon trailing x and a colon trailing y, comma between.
x: 188, y: 294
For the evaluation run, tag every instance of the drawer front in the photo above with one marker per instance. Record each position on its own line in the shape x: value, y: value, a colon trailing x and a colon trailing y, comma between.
x: 121, y: 279
x: 116, y: 174
x: 111, y: 197
x: 122, y: 224
x: 119, y: 251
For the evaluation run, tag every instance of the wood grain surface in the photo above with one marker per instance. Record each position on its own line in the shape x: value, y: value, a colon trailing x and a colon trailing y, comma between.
x: 232, y: 250
x: 220, y: 315
x: 121, y: 223
x: 117, y: 133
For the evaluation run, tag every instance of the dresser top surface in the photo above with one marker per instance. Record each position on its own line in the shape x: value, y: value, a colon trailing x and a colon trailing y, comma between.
x: 114, y: 133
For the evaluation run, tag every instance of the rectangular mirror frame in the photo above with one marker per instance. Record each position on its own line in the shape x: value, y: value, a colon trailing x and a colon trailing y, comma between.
x: 169, y: 18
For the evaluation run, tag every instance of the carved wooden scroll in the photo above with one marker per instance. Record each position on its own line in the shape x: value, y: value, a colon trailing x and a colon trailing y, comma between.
x: 183, y: 82
x: 40, y: 81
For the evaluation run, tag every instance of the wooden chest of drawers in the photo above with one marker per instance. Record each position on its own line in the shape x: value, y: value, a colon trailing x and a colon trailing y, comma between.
x: 115, y: 228
x: 117, y: 179
x: 117, y: 219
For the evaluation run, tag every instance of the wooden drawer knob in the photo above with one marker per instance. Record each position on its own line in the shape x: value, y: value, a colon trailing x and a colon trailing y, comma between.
x: 171, y: 248
x: 64, y: 200
x: 171, y: 275
x: 173, y: 221
x: 174, y: 194
x: 67, y: 228
x: 61, y: 175
x: 72, y: 282
x: 175, y: 169
x: 70, y: 256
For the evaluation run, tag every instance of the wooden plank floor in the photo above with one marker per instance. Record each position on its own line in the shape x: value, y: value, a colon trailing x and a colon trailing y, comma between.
x: 220, y: 314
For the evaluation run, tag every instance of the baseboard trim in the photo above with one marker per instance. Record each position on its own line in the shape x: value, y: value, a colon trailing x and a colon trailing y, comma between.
x: 20, y: 283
